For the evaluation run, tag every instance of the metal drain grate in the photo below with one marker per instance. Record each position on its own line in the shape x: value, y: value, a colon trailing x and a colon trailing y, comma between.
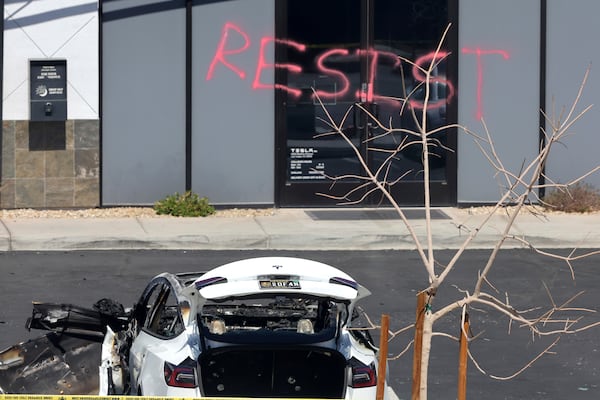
x: 361, y: 214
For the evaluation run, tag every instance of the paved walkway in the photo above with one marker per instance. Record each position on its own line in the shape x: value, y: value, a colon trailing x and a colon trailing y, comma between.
x: 295, y: 229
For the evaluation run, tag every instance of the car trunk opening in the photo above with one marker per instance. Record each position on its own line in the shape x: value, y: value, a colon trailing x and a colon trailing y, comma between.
x: 273, y: 372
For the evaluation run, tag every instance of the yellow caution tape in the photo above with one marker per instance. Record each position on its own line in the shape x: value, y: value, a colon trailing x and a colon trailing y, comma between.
x: 92, y: 397
x: 114, y: 397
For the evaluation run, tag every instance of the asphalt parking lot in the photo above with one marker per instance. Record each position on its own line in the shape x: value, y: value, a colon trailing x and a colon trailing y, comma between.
x: 570, y: 372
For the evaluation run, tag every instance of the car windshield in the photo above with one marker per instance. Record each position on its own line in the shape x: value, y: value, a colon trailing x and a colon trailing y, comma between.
x: 238, y: 319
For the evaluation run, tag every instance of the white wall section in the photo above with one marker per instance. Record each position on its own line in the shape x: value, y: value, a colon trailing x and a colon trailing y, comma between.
x: 50, y: 29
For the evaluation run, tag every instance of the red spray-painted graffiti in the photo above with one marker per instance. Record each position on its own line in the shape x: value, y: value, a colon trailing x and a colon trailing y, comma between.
x: 345, y: 82
x: 224, y: 53
x: 262, y: 64
x: 420, y: 77
x: 479, y: 53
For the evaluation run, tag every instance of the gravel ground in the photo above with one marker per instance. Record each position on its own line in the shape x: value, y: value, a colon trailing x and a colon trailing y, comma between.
x: 535, y: 210
x: 148, y: 212
x: 124, y: 212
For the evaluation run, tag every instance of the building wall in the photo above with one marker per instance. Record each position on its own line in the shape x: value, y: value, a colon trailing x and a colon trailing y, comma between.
x: 498, y: 85
x: 143, y: 101
x: 67, y: 176
x: 50, y: 178
x: 233, y: 136
x: 572, y: 48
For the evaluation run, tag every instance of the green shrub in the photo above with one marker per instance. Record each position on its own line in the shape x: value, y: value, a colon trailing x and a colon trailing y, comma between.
x: 579, y: 198
x: 187, y: 204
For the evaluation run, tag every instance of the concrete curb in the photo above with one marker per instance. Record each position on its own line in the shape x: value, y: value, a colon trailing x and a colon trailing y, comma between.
x: 293, y: 229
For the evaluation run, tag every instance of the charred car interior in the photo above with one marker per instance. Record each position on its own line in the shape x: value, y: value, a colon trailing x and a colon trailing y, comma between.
x: 258, y: 370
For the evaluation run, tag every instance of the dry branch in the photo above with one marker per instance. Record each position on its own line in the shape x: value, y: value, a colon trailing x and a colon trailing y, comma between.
x: 519, y: 192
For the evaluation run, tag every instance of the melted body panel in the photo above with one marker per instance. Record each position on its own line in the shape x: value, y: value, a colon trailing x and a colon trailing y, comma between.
x: 65, y: 360
x: 51, y: 364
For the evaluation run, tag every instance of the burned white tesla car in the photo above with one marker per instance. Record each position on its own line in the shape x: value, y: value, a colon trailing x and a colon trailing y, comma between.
x: 262, y: 327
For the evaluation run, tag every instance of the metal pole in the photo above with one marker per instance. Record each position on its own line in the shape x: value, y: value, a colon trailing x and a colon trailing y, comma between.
x: 462, y: 360
x: 383, y: 351
x: 418, y: 346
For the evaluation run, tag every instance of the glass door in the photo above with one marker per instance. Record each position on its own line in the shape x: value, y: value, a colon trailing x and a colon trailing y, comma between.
x: 341, y: 64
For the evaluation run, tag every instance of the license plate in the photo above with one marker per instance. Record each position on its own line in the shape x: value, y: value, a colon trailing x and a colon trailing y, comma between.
x: 280, y: 284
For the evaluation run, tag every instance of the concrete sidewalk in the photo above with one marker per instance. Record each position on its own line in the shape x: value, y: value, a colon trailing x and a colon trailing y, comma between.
x: 295, y: 229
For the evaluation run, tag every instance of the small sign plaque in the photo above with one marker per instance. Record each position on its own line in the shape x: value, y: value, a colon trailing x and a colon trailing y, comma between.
x: 48, y: 90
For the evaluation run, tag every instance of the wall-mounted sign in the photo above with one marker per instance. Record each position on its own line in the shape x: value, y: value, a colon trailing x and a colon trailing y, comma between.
x: 304, y: 166
x: 48, y: 90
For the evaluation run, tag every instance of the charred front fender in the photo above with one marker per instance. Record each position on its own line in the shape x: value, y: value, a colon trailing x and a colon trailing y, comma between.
x: 51, y: 364
x: 66, y: 360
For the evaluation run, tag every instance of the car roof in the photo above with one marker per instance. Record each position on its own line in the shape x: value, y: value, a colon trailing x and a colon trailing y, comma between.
x: 259, y: 276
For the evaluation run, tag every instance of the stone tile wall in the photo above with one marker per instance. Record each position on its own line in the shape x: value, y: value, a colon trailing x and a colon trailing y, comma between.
x: 66, y: 178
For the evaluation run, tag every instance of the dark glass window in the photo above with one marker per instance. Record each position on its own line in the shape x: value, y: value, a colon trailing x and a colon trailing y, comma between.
x: 331, y: 32
x: 350, y: 58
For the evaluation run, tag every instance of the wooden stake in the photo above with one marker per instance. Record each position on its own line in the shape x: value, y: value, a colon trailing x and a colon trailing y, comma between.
x: 418, y: 346
x: 383, y: 351
x: 462, y: 360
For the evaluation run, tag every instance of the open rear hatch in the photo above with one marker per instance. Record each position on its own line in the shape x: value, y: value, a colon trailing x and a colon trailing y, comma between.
x: 272, y: 345
x: 242, y: 371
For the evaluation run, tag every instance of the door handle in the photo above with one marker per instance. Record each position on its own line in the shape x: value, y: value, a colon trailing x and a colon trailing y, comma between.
x: 371, y: 125
x: 357, y: 116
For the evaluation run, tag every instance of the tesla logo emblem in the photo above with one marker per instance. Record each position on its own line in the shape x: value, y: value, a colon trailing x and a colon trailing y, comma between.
x: 277, y: 266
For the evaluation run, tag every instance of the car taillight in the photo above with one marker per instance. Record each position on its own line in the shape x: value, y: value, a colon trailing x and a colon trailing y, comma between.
x: 345, y: 282
x: 210, y: 281
x: 182, y: 375
x: 362, y: 375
